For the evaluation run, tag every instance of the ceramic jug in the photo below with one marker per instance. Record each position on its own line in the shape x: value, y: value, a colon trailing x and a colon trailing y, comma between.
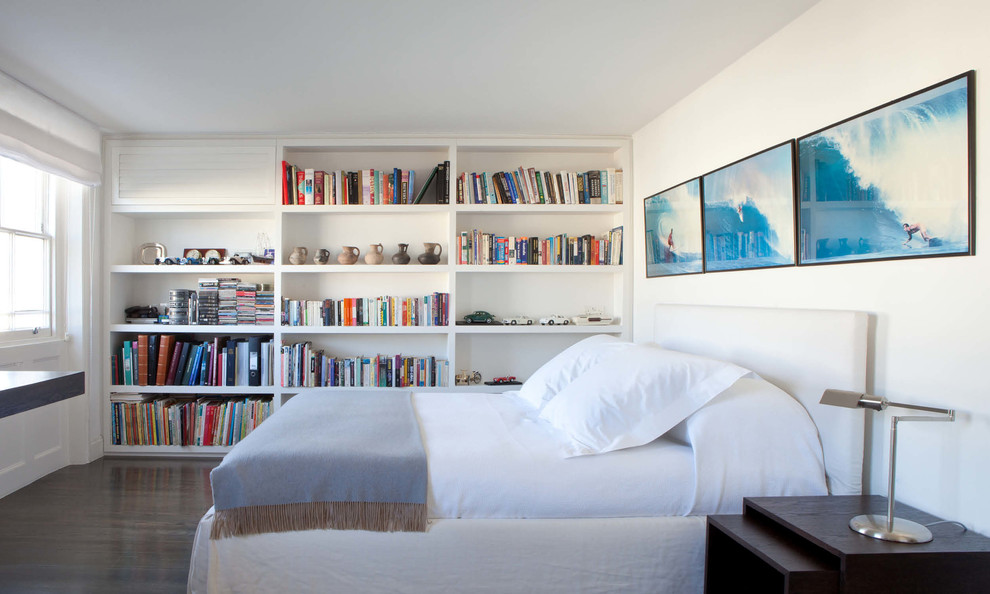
x: 322, y: 256
x: 298, y: 255
x: 401, y: 257
x: 374, y: 255
x: 432, y: 254
x: 349, y: 255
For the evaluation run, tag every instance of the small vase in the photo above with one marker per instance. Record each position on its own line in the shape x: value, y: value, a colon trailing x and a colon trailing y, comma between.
x: 322, y: 256
x: 349, y: 255
x: 432, y: 254
x: 401, y: 257
x: 298, y: 256
x: 374, y: 255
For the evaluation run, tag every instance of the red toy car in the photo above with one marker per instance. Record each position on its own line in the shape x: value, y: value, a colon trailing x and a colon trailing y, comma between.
x: 504, y: 380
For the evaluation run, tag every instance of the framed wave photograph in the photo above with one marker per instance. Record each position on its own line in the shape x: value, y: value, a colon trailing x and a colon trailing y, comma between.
x: 749, y: 212
x: 673, y: 231
x: 894, y: 182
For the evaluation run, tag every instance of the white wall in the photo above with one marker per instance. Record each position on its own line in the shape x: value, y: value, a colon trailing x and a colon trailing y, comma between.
x: 931, y: 318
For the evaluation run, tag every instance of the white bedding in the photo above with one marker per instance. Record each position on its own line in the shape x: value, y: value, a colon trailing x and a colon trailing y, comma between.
x: 491, y: 457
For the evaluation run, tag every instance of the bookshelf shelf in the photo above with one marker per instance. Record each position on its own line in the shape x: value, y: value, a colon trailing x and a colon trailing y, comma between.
x: 365, y: 269
x: 582, y: 209
x: 537, y: 269
x: 190, y: 329
x: 294, y: 391
x: 199, y: 269
x: 296, y: 330
x: 183, y: 451
x: 211, y: 390
x: 539, y: 329
x: 165, y: 200
x: 362, y: 209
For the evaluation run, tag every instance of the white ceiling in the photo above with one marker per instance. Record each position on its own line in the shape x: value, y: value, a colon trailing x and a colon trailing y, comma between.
x: 378, y: 66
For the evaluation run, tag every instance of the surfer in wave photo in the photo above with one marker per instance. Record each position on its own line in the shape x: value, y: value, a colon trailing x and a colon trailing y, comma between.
x: 912, y: 228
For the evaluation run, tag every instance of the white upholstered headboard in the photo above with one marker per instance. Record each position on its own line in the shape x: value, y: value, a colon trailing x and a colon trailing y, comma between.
x: 801, y: 351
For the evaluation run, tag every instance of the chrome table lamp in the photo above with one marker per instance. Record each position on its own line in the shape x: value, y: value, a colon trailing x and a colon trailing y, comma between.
x: 876, y: 525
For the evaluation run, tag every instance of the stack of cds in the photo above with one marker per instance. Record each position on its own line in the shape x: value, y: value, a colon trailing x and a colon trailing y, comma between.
x: 178, y: 306
x: 265, y: 305
x: 246, y: 293
x: 227, y: 294
x: 209, y: 301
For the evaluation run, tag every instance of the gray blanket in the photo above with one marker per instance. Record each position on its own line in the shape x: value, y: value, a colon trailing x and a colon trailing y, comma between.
x: 350, y: 461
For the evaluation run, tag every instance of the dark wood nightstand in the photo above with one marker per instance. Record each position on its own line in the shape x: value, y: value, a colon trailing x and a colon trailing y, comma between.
x: 804, y: 544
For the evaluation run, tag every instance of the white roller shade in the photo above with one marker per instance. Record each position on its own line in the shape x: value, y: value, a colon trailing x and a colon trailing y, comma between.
x: 37, y: 131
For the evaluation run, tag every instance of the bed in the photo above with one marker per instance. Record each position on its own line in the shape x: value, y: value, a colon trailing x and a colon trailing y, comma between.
x: 630, y: 520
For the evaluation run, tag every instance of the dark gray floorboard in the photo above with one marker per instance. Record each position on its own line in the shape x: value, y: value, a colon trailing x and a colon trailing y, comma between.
x: 115, y: 525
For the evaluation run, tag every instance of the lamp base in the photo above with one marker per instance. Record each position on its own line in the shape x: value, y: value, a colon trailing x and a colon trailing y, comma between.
x: 875, y: 526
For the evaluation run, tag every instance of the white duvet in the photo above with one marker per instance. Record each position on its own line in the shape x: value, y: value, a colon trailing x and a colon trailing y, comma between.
x: 490, y: 456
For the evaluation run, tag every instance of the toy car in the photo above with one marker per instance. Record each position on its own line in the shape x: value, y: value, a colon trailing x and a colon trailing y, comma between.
x: 592, y: 318
x: 508, y: 379
x: 554, y: 319
x: 513, y: 320
x: 479, y: 317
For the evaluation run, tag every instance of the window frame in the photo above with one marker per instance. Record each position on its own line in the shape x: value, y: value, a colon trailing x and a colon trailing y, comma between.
x: 53, y: 215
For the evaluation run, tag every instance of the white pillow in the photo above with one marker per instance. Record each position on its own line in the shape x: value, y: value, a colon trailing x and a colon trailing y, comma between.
x: 633, y: 396
x: 560, y: 371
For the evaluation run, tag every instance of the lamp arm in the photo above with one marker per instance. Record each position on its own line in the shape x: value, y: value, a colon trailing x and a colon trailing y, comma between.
x: 949, y: 416
x: 944, y: 411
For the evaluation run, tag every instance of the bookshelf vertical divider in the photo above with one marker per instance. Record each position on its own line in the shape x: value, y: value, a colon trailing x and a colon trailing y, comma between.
x: 177, y: 192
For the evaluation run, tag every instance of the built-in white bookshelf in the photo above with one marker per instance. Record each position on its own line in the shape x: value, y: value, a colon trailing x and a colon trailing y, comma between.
x: 207, y: 213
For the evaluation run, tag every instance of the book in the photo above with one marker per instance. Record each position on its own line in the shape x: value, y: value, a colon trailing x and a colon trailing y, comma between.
x: 422, y: 191
x: 242, y: 365
x: 164, y: 350
x: 230, y: 373
x: 153, y: 358
x: 307, y: 193
x: 285, y: 182
x: 142, y: 359
x: 446, y: 183
x: 192, y: 369
x: 173, y: 365
x: 188, y: 364
x: 318, y: 187
x: 254, y: 361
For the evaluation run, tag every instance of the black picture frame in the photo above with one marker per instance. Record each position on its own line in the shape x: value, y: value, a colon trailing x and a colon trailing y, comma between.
x: 676, y: 209
x: 896, y: 181
x: 748, y: 211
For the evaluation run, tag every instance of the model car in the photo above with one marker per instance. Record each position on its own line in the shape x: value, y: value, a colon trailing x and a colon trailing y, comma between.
x: 513, y: 320
x: 479, y: 317
x: 592, y: 318
x: 554, y: 319
x: 508, y: 379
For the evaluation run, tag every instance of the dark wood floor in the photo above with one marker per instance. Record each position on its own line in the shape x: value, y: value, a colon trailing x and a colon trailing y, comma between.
x: 115, y: 525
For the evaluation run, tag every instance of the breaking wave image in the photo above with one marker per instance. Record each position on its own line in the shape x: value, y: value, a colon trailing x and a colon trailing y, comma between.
x: 891, y: 183
x: 749, y: 216
x: 673, y: 231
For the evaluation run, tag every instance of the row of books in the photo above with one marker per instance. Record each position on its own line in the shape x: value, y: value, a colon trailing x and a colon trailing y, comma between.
x: 164, y: 360
x: 529, y: 186
x: 139, y: 419
x: 305, y: 366
x: 478, y: 247
x: 304, y: 186
x: 429, y: 310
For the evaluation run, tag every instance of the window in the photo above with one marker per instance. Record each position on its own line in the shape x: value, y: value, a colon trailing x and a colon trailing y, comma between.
x: 27, y: 252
